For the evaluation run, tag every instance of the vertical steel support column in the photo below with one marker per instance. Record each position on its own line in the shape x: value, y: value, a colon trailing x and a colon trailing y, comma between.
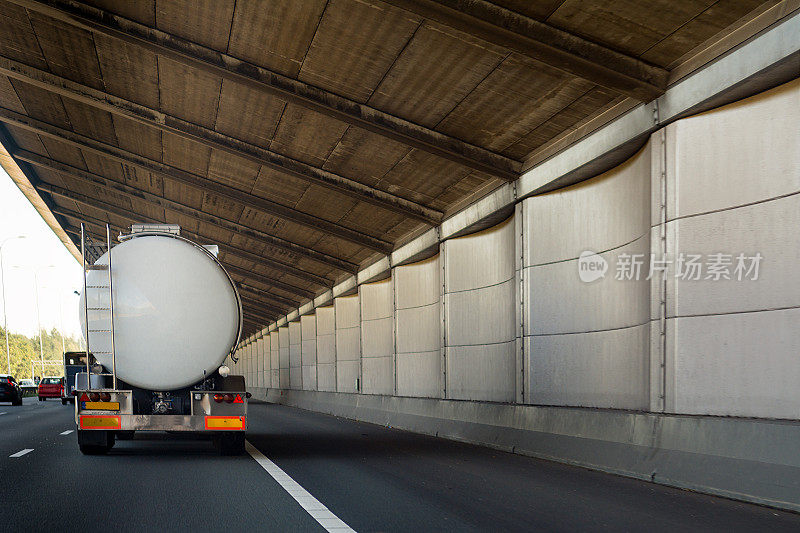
x: 394, y: 327
x: 360, y: 384
x: 519, y: 314
x: 658, y: 282
x: 335, y: 348
x: 443, y: 315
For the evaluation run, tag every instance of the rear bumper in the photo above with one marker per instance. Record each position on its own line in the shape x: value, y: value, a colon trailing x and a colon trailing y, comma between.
x: 189, y: 423
x: 116, y: 413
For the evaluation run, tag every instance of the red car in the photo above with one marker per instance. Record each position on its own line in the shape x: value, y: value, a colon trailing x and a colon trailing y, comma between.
x: 51, y: 388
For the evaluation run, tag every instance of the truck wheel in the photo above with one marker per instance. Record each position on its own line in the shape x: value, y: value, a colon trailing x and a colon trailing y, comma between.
x: 230, y: 442
x: 41, y: 399
x: 125, y: 435
x: 63, y: 401
x: 95, y: 442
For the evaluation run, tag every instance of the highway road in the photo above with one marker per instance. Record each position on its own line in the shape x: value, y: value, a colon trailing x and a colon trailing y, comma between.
x: 310, y: 472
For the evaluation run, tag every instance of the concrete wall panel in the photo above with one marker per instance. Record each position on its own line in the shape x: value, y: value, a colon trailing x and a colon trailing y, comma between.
x: 733, y: 178
x: 595, y: 369
x: 559, y: 302
x: 417, y: 284
x: 419, y: 374
x: 483, y: 372
x: 283, y: 334
x: 418, y: 325
x: 348, y: 376
x: 260, y: 363
x: 377, y: 337
x: 599, y: 214
x: 742, y: 364
x: 769, y: 228
x: 326, y: 349
x: 267, y: 362
x: 295, y: 353
x: 740, y: 153
x: 348, y: 313
x: 480, y: 260
x: 480, y: 316
x: 479, y: 309
x: 348, y: 343
x: 588, y: 343
x: 418, y: 329
x: 275, y: 358
x: 308, y: 326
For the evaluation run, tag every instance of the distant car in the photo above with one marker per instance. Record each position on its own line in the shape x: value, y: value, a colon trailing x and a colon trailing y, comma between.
x: 28, y: 385
x: 10, y: 390
x: 51, y: 387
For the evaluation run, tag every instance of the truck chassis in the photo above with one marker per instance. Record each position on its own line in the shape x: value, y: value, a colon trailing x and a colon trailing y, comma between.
x: 104, y: 415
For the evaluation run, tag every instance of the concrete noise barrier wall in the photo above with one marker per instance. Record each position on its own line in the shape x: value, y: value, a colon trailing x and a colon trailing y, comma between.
x: 644, y: 321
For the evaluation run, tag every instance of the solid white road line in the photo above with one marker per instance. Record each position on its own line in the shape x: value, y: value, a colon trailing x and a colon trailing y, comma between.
x: 21, y: 452
x: 3, y: 413
x: 318, y: 512
x: 67, y: 432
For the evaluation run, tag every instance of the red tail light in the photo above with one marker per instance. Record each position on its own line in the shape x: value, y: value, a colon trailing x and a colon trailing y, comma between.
x: 94, y: 396
x: 228, y: 398
x: 218, y: 398
x: 106, y: 397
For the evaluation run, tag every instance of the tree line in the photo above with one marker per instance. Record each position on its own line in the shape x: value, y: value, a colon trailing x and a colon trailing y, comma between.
x: 25, y: 350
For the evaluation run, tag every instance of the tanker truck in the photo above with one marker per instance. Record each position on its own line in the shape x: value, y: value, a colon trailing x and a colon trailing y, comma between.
x: 159, y: 316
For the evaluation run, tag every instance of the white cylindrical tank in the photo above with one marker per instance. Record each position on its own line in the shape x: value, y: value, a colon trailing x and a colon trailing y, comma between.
x: 176, y: 312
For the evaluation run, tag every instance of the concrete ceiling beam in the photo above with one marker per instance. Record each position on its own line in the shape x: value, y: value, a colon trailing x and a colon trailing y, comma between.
x: 307, y: 220
x: 213, y: 139
x: 194, y: 55
x: 91, y: 179
x: 560, y: 49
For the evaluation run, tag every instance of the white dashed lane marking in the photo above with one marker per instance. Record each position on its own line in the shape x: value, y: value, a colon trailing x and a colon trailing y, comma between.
x: 67, y: 432
x: 318, y: 512
x: 3, y: 413
x: 21, y: 452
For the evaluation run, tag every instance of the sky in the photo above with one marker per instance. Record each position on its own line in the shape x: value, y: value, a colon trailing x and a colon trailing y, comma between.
x: 22, y: 258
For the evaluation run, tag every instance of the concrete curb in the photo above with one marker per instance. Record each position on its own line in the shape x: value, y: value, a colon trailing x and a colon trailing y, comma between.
x: 744, y: 459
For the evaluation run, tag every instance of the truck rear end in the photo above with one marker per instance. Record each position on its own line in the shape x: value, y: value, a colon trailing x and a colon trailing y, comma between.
x: 160, y: 315
x: 104, y: 415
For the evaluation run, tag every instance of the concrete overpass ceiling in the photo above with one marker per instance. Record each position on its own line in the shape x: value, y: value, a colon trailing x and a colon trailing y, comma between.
x: 310, y: 138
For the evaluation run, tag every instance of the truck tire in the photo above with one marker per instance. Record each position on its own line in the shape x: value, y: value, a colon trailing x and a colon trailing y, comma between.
x: 125, y: 435
x: 41, y: 399
x: 63, y: 401
x: 95, y: 442
x: 230, y: 442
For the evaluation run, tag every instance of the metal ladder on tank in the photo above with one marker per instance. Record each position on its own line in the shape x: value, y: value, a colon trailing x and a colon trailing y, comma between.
x: 110, y: 309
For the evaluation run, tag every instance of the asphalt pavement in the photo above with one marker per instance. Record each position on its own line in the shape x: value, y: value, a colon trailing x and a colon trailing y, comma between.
x: 305, y: 465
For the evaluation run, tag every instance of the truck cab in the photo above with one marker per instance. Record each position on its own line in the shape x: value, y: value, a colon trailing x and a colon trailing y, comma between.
x: 74, y: 362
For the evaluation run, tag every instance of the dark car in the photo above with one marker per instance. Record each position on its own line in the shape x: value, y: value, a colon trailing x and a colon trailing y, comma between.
x: 10, y: 390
